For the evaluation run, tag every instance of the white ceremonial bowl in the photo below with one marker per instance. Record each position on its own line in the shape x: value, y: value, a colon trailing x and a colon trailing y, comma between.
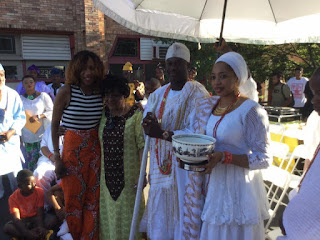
x: 192, y: 148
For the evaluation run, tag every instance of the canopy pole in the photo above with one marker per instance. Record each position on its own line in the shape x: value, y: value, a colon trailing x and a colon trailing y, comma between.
x: 222, y: 22
x: 139, y: 189
x: 141, y: 182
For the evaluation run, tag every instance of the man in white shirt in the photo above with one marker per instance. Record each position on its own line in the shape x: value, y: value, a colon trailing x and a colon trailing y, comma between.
x: 297, y: 85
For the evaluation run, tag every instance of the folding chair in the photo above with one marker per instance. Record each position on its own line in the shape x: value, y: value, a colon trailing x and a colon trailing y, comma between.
x: 274, y: 234
x: 280, y: 151
x: 300, y: 152
x: 280, y: 179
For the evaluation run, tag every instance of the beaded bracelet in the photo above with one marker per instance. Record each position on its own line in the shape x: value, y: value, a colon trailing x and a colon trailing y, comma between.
x: 227, y: 158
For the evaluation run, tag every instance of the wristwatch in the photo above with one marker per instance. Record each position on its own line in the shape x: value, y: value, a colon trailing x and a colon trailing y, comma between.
x: 165, y: 135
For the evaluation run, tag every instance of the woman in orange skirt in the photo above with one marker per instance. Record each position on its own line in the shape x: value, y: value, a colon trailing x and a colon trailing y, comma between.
x: 79, y: 106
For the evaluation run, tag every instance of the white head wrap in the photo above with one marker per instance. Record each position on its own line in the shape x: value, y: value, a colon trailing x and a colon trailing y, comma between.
x: 247, y: 86
x: 1, y: 67
x: 178, y: 50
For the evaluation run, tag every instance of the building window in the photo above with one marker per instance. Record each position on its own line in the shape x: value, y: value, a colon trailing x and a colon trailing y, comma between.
x: 11, y: 72
x: 126, y: 48
x: 7, y: 44
x: 163, y: 52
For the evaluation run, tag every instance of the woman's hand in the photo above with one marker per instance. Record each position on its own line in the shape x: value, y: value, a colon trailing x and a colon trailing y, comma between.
x: 62, y: 130
x: 213, y: 159
x: 60, y: 169
x: 151, y: 126
x: 60, y: 213
x: 34, y: 118
x: 145, y: 182
x: 5, y: 136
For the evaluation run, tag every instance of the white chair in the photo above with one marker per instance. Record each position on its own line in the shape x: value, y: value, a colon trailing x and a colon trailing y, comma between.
x: 274, y: 234
x: 277, y: 129
x: 300, y: 152
x: 281, y: 151
x: 293, y: 133
x: 280, y: 179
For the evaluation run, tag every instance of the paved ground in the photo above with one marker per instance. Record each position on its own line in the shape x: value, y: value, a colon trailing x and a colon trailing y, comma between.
x: 5, y: 216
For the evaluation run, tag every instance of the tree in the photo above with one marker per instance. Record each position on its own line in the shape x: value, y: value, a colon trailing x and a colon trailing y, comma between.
x: 262, y: 60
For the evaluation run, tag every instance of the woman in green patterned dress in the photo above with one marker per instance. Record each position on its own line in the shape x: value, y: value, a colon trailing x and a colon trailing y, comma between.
x: 122, y: 142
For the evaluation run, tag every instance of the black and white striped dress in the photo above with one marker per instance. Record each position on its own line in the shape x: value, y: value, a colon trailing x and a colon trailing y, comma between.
x: 84, y: 112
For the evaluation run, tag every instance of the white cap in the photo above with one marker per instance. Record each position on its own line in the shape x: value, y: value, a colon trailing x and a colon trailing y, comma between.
x: 1, y: 67
x: 178, y: 50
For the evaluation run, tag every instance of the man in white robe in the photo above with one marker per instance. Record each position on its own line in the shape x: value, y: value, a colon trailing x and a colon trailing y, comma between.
x: 175, y: 197
x: 301, y: 218
x: 12, y: 120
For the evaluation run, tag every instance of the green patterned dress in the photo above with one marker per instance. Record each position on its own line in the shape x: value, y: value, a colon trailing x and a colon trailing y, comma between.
x: 121, y: 139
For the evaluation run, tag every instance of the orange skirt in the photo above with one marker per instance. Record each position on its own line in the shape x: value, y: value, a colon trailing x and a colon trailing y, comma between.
x: 82, y: 157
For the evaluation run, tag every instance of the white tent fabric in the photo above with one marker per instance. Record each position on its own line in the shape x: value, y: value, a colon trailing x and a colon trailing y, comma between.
x: 247, y: 21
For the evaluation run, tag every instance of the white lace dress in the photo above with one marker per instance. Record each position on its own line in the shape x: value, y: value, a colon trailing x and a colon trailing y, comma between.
x: 236, y: 203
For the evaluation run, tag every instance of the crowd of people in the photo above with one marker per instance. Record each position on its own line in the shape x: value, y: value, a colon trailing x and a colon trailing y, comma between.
x: 295, y: 92
x: 82, y: 144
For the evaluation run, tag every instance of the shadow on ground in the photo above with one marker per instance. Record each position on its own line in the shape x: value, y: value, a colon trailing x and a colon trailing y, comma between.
x: 4, y: 208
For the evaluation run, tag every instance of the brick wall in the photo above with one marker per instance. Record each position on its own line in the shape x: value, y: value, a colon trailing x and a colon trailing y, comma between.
x: 112, y: 30
x: 56, y: 17
x: 92, y: 30
x: 44, y: 16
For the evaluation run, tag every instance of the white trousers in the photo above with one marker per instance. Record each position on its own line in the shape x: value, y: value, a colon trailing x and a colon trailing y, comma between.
x: 45, y: 175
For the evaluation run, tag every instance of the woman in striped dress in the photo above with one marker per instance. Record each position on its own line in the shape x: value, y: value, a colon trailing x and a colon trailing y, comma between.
x: 79, y: 106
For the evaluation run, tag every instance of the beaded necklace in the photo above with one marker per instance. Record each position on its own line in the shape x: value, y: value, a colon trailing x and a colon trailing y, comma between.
x: 30, y: 97
x: 312, y: 161
x: 234, y: 101
x: 225, y: 112
x: 166, y: 166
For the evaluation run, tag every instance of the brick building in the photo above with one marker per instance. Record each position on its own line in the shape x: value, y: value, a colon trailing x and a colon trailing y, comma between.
x: 48, y: 32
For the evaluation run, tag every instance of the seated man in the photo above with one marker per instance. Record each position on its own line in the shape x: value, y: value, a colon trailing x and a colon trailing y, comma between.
x: 44, y: 172
x: 26, y: 208
x: 56, y: 198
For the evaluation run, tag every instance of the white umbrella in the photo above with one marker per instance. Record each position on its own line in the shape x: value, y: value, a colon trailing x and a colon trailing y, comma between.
x: 247, y: 21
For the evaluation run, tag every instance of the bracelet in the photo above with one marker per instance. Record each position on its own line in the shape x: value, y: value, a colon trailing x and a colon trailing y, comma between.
x: 227, y: 158
x: 50, y: 155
